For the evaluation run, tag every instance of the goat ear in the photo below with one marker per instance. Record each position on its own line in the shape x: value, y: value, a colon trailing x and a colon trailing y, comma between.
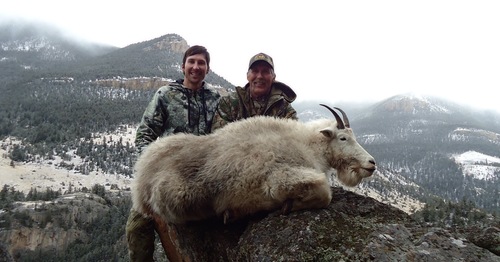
x: 328, y: 132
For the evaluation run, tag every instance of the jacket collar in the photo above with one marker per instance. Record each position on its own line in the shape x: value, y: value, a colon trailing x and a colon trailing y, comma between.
x: 279, y: 90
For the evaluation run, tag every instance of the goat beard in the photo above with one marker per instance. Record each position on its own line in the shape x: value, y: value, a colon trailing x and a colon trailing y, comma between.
x: 348, y: 175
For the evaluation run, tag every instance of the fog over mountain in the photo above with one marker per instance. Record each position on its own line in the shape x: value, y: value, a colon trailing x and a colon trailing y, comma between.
x: 355, y: 52
x: 18, y: 32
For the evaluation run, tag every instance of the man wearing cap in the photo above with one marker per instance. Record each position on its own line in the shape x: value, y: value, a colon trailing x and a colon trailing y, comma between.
x: 262, y: 95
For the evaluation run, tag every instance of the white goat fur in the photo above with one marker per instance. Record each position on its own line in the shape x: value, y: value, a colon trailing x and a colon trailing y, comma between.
x: 246, y: 167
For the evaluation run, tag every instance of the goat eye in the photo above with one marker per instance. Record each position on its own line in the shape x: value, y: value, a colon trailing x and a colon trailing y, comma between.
x: 343, y: 138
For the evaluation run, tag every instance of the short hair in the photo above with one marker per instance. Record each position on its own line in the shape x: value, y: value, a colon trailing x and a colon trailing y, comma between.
x: 194, y: 50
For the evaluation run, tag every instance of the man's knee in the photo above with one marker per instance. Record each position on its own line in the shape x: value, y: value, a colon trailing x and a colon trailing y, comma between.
x: 140, y: 237
x: 138, y: 223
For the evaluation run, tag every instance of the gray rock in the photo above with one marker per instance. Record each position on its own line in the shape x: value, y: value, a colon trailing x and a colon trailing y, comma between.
x: 488, y: 238
x: 352, y: 228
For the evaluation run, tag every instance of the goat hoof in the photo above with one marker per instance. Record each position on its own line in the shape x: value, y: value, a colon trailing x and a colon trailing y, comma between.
x: 287, y: 207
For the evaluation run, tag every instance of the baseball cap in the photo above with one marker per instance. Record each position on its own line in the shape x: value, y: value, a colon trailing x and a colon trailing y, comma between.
x: 261, y: 57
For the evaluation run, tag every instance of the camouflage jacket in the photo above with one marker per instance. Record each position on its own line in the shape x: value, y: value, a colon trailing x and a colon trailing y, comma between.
x: 239, y: 105
x: 174, y: 109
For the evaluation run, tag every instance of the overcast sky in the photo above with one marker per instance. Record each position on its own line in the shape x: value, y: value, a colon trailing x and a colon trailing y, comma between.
x: 325, y: 50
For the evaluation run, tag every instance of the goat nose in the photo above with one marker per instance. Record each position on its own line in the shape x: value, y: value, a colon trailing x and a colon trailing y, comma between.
x: 372, y: 161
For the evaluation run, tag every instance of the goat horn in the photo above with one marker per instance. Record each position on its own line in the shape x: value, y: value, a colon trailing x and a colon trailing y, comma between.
x: 340, y: 124
x: 344, y: 115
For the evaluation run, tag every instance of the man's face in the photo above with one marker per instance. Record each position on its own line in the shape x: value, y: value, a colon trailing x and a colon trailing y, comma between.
x: 195, y: 69
x: 261, y: 77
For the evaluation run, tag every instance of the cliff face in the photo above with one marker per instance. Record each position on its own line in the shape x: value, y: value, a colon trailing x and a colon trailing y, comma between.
x: 146, y: 83
x: 170, y: 42
x: 136, y: 83
x: 52, y: 225
x: 352, y: 228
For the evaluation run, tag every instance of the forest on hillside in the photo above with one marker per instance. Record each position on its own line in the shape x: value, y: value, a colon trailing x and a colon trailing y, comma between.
x: 53, y: 118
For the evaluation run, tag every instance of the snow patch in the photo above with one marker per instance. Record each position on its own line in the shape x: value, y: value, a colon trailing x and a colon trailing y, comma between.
x: 478, y: 165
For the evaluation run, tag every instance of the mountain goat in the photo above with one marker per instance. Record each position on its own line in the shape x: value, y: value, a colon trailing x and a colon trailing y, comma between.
x: 253, y: 165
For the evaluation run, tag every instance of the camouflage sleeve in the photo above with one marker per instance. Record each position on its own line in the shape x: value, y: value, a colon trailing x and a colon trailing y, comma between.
x: 224, y: 113
x: 152, y: 122
x: 291, y: 113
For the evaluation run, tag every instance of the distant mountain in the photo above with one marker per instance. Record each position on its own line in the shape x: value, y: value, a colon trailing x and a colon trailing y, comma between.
x: 28, y: 46
x: 426, y: 139
x: 43, y: 73
x: 425, y: 146
x: 34, y: 50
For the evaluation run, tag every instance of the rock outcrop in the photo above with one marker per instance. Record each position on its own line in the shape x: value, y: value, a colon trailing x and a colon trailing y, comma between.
x: 171, y: 42
x: 4, y: 254
x: 136, y: 83
x: 52, y: 225
x: 352, y: 228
